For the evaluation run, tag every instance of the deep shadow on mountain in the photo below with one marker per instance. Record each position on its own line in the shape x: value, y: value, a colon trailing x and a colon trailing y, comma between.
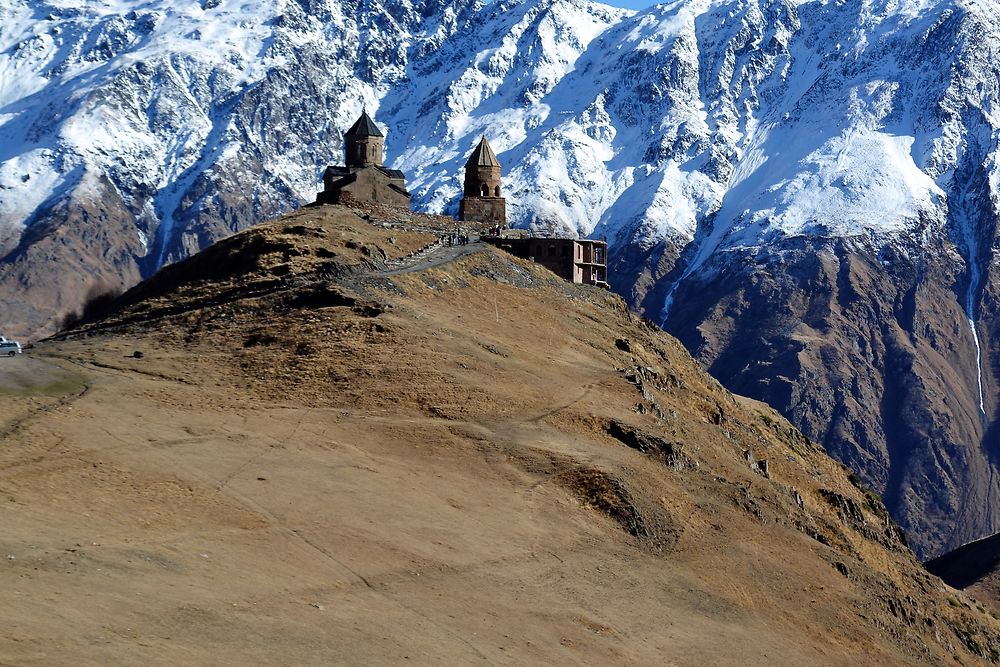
x: 869, y: 353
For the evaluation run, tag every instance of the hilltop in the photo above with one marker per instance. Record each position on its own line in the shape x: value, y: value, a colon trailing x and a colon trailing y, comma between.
x: 325, y: 439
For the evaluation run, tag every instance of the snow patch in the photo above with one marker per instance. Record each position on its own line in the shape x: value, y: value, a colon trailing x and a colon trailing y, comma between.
x: 858, y: 181
x: 26, y: 182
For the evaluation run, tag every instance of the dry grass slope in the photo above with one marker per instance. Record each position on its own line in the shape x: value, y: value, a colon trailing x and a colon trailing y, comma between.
x: 316, y: 462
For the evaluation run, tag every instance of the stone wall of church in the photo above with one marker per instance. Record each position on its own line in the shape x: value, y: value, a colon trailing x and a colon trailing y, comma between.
x: 369, y: 184
x: 364, y: 151
x: 489, y: 210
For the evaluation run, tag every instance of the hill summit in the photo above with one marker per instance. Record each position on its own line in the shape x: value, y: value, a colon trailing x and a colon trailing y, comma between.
x: 332, y: 436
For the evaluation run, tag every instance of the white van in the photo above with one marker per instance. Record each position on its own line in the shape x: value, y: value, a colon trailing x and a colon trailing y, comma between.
x: 9, y: 348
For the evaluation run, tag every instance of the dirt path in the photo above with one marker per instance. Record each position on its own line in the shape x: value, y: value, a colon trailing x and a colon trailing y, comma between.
x: 436, y: 256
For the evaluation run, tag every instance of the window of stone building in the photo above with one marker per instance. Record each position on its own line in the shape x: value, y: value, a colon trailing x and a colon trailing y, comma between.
x: 496, y: 191
x: 552, y: 251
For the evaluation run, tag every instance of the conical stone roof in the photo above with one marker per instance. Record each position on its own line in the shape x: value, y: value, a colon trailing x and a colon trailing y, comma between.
x: 364, y: 127
x: 483, y: 156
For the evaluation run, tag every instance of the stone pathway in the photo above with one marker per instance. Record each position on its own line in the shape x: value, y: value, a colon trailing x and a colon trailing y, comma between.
x: 435, y: 254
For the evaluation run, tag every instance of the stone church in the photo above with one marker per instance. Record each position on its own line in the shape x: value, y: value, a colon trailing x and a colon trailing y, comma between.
x: 364, y: 176
x: 483, y: 200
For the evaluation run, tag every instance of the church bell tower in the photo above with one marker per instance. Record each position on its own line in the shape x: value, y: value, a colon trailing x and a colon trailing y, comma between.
x: 364, y: 144
x: 483, y: 200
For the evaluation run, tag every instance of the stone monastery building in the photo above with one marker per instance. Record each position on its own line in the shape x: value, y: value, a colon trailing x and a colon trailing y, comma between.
x: 483, y: 201
x: 365, y: 178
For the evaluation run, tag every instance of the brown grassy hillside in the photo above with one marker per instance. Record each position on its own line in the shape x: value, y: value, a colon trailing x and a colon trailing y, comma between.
x: 319, y: 460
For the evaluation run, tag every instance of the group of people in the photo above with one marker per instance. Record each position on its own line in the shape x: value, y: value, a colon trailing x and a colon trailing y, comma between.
x: 458, y: 239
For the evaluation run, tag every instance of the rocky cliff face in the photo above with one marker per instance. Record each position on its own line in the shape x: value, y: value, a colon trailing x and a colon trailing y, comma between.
x: 824, y: 172
x: 870, y: 354
x: 848, y: 279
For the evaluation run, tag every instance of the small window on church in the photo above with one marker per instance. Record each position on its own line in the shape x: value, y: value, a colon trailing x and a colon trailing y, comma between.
x: 486, y: 190
x: 552, y: 251
x: 496, y: 191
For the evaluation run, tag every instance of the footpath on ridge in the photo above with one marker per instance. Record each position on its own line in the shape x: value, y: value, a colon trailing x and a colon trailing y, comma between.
x: 432, y: 255
x: 443, y: 250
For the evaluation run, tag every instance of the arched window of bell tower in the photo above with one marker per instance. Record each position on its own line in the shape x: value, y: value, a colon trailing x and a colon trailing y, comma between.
x: 496, y: 191
x: 486, y: 190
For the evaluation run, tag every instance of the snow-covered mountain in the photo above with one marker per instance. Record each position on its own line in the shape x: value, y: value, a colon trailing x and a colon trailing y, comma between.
x: 776, y: 118
x: 805, y: 192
